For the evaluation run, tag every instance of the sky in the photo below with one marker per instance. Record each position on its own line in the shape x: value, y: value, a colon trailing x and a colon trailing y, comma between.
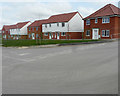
x: 14, y: 11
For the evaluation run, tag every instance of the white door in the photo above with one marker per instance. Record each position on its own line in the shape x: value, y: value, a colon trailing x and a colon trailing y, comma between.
x: 55, y: 35
x: 49, y: 35
x: 58, y: 35
x: 33, y: 35
x: 95, y: 33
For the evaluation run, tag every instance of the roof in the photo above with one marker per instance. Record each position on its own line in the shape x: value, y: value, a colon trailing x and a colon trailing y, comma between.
x: 15, y: 26
x: 107, y: 10
x: 55, y: 18
x: 38, y: 23
x: 61, y: 17
x: 21, y: 24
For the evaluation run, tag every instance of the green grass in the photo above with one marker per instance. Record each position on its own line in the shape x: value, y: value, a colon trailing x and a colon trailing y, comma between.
x: 19, y: 43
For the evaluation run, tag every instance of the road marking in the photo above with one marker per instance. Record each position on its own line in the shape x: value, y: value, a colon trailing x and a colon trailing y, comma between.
x: 22, y: 54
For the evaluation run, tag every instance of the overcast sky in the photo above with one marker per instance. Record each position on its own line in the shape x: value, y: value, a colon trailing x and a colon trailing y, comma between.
x: 13, y: 11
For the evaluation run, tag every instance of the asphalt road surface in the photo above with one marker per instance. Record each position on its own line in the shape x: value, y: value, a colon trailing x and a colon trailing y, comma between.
x: 81, y: 69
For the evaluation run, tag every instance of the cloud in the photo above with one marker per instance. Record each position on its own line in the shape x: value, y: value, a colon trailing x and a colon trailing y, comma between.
x: 85, y: 11
x: 16, y: 12
x: 30, y: 10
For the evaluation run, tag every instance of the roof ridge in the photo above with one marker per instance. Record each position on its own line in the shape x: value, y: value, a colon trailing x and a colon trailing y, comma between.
x: 65, y: 13
x: 103, y: 8
x: 112, y: 9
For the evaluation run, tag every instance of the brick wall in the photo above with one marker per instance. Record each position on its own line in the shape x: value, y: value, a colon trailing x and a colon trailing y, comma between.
x: 112, y: 26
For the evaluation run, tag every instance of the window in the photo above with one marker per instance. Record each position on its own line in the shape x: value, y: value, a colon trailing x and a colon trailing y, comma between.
x: 87, y: 32
x: 49, y: 25
x: 33, y: 28
x: 29, y: 28
x: 36, y: 28
x: 88, y: 22
x: 105, y: 20
x: 105, y: 33
x: 63, y: 34
x: 63, y: 24
x: 46, y: 34
x: 29, y: 35
x: 3, y: 31
x: 57, y: 24
x: 96, y: 20
x: 45, y: 25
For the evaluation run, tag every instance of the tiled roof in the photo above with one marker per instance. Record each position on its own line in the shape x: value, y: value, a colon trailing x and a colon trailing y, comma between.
x: 61, y: 17
x: 107, y: 10
x: 21, y: 24
x: 38, y: 23
x: 18, y: 25
x: 55, y: 18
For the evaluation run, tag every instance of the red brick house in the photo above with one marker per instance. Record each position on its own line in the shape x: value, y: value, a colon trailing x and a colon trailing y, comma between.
x: 104, y: 23
x: 35, y: 29
x: 63, y: 26
x: 16, y: 31
x: 6, y: 31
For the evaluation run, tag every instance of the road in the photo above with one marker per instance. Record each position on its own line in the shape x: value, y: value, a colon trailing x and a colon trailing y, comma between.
x: 81, y: 69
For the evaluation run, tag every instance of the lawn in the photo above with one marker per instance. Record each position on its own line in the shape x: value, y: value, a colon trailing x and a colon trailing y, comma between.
x: 7, y: 43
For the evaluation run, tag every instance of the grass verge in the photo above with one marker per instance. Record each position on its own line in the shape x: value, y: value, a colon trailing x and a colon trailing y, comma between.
x: 19, y: 43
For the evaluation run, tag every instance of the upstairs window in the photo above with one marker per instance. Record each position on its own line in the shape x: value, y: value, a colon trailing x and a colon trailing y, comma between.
x: 36, y: 28
x: 63, y: 24
x: 45, y: 25
x: 87, y: 32
x: 57, y: 24
x: 105, y: 33
x: 49, y: 25
x: 29, y: 28
x: 96, y: 20
x: 88, y: 22
x: 106, y: 20
x: 63, y: 33
x: 33, y: 28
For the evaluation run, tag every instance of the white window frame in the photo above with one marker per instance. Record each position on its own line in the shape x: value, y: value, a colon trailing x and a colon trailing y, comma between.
x: 87, y: 22
x: 87, y: 34
x: 105, y: 32
x: 63, y: 33
x: 50, y: 25
x: 96, y: 20
x: 57, y: 24
x: 36, y: 28
x: 63, y: 24
x: 45, y: 25
x: 105, y: 20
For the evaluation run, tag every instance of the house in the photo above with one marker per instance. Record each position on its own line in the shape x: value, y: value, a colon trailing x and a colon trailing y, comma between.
x: 104, y: 23
x: 16, y: 31
x: 63, y: 26
x: 35, y: 29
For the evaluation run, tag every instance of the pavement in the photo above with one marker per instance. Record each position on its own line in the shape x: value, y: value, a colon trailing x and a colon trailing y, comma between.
x: 78, y: 69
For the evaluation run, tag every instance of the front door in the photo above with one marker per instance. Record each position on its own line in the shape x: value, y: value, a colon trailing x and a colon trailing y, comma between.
x: 58, y: 36
x: 33, y: 35
x: 95, y: 33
